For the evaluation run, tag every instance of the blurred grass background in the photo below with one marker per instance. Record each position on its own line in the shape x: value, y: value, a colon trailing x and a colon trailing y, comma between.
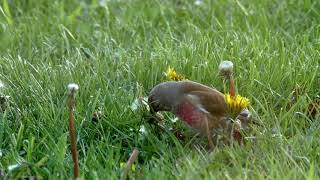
x: 117, y: 50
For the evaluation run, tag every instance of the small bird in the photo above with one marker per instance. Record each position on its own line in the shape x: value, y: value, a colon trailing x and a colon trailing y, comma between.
x: 203, y: 108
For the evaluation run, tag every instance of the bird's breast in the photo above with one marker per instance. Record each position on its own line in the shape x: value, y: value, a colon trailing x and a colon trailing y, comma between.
x: 189, y: 114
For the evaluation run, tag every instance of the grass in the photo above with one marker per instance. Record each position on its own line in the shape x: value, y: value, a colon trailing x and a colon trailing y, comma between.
x: 118, y: 51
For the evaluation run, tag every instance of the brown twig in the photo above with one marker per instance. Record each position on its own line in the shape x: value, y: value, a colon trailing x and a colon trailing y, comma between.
x: 71, y: 105
x: 130, y: 161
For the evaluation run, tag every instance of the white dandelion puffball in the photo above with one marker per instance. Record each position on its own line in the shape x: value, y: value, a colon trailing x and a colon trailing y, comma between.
x: 73, y: 87
x: 226, y: 66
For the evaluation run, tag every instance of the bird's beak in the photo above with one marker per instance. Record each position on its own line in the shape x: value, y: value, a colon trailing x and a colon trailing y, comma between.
x: 152, y: 104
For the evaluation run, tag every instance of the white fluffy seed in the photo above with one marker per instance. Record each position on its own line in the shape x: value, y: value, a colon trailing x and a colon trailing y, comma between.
x: 73, y: 87
x: 226, y: 66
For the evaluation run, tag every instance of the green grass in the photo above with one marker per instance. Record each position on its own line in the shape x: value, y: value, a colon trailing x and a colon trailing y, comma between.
x: 119, y: 51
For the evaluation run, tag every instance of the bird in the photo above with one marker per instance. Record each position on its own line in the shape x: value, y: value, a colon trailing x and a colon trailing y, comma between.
x: 201, y: 107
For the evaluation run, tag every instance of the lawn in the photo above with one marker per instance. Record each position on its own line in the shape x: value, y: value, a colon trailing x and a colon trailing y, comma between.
x: 117, y: 50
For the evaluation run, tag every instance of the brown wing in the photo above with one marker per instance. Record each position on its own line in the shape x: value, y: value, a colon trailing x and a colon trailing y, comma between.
x: 189, y: 86
x: 212, y: 101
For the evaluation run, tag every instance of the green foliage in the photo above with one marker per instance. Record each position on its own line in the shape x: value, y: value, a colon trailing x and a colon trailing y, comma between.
x: 118, y: 50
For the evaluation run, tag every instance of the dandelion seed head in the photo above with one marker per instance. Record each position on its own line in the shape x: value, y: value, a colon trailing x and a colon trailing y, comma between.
x: 226, y: 67
x: 73, y: 87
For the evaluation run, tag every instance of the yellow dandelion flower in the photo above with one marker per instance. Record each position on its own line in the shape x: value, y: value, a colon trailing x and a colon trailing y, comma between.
x: 236, y: 103
x: 171, y: 74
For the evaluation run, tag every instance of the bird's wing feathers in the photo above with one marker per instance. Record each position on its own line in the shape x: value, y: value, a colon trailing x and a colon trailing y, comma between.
x: 189, y: 86
x: 209, y: 97
x: 213, y: 102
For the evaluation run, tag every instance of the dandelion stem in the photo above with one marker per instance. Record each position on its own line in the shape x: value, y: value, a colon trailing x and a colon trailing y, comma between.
x: 232, y: 90
x: 71, y: 104
x: 130, y: 161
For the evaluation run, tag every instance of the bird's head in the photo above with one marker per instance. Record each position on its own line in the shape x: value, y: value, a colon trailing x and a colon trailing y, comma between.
x: 164, y: 96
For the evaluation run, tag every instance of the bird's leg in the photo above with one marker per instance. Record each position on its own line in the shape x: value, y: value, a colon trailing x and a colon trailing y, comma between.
x: 208, y: 133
